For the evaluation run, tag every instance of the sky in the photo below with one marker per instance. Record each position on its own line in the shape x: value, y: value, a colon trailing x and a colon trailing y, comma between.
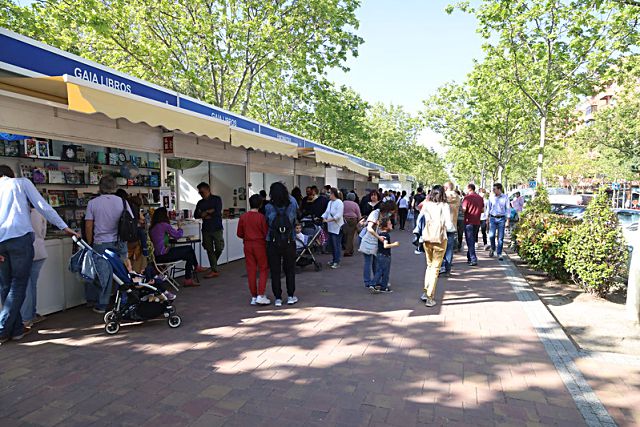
x: 411, y: 47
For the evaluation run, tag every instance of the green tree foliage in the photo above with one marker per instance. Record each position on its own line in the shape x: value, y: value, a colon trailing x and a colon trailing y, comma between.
x: 597, y: 254
x: 552, y: 49
x: 217, y: 51
x: 484, y: 120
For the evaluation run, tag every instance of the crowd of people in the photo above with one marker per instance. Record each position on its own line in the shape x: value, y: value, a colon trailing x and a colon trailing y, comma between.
x: 443, y: 220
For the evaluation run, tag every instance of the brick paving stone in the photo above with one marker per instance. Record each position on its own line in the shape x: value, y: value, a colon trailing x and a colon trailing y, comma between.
x: 341, y: 357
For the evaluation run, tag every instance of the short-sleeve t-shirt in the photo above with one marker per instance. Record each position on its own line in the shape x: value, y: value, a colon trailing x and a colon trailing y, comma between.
x: 473, y: 205
x: 381, y: 249
x: 105, y: 212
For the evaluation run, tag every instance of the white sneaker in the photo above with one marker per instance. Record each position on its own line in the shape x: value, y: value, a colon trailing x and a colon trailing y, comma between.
x: 254, y: 301
x: 429, y: 302
x: 278, y: 303
x: 423, y: 297
x: 292, y: 300
x: 263, y: 300
x: 417, y: 252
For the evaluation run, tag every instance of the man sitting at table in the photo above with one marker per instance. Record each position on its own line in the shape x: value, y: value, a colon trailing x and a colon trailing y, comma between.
x: 160, y: 232
x: 209, y: 209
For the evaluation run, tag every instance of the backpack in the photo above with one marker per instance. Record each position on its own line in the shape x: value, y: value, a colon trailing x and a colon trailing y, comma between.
x: 281, y: 228
x: 434, y: 230
x: 127, y: 225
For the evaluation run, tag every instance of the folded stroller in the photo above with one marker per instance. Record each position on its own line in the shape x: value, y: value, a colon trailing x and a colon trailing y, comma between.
x: 305, y: 248
x: 137, y: 297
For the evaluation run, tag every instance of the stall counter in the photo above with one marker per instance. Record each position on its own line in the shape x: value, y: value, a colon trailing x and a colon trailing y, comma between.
x: 59, y: 289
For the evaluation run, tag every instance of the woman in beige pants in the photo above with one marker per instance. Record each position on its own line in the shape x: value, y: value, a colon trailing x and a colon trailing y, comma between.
x: 436, y: 211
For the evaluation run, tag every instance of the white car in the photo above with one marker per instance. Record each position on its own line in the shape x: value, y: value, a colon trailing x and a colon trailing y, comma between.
x: 629, y: 219
x: 560, y: 195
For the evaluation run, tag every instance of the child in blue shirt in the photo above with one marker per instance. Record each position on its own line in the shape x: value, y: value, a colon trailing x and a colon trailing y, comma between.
x: 383, y: 258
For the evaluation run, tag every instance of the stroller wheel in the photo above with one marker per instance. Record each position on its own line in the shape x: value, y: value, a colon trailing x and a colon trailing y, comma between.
x: 318, y: 266
x: 109, y: 316
x: 174, y: 321
x: 112, y: 328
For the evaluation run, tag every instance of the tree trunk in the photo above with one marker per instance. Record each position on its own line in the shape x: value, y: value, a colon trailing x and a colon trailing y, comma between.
x: 483, y: 177
x: 543, y: 137
x: 500, y: 171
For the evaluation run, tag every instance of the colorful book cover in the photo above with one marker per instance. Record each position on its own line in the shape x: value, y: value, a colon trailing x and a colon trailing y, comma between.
x: 43, y: 148
x: 56, y: 198
x: 30, y: 148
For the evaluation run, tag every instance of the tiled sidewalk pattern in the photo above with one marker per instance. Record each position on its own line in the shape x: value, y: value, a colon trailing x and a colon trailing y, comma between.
x: 340, y: 357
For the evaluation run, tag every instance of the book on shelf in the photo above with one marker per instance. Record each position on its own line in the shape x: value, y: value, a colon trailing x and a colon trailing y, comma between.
x: 26, y: 171
x: 56, y: 177
x: 70, y: 152
x: 95, y: 174
x: 43, y: 148
x: 71, y: 197
x: 30, y: 147
x: 39, y: 176
x: 12, y: 148
x: 74, y: 178
x: 81, y: 154
x: 2, y: 144
x: 56, y: 198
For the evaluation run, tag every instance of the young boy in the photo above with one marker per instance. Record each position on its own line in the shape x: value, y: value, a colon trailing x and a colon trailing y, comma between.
x: 301, y: 239
x: 383, y: 258
x: 252, y: 229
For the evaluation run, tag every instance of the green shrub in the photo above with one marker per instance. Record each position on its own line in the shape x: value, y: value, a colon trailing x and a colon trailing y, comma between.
x: 542, y: 240
x: 529, y: 225
x: 596, y: 254
x: 540, y: 202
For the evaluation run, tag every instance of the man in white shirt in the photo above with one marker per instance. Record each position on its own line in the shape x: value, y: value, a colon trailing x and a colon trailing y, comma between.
x: 498, y: 210
x: 16, y: 246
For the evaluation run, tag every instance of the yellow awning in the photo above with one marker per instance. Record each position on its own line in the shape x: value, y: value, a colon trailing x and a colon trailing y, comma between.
x: 340, y: 161
x: 246, y: 139
x: 85, y: 97
x: 385, y: 176
x: 360, y: 170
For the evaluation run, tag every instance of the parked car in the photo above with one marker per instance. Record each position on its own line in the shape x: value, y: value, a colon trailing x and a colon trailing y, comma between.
x: 629, y: 220
x: 570, y: 210
x: 561, y: 195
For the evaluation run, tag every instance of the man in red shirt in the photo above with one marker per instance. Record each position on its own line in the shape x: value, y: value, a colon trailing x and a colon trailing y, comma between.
x: 472, y: 206
x: 252, y: 229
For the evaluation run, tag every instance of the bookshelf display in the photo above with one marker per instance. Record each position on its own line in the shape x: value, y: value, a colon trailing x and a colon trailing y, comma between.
x: 68, y: 174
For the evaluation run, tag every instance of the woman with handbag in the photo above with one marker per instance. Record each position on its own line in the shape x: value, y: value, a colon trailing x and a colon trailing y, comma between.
x: 369, y: 239
x: 434, y: 235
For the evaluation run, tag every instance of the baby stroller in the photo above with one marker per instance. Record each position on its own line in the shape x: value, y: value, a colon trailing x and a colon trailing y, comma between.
x: 137, y: 299
x: 306, y: 247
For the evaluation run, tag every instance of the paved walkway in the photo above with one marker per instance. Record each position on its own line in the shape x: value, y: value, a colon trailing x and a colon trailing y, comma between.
x: 340, y: 357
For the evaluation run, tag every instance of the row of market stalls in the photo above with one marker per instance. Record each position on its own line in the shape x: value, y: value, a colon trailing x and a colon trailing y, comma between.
x: 66, y: 121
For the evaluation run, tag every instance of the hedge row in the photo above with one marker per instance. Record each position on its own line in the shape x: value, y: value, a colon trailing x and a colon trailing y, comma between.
x: 590, y: 251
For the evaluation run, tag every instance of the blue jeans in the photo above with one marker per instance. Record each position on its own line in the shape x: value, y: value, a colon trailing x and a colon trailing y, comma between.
x: 382, y: 271
x: 336, y: 246
x: 470, y: 233
x: 497, y: 225
x: 95, y: 292
x: 447, y: 263
x: 28, y: 310
x: 370, y: 267
x: 14, y: 276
